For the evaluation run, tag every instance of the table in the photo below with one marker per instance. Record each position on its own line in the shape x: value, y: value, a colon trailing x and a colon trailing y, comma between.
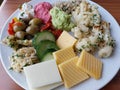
x: 6, y: 83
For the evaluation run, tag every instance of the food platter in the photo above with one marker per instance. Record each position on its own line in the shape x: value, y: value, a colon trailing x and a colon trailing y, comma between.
x: 110, y: 67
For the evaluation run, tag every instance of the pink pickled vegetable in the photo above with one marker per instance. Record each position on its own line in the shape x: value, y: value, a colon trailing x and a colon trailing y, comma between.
x: 42, y: 11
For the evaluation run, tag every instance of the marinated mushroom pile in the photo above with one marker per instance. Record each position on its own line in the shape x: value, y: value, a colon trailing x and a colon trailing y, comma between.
x: 24, y: 31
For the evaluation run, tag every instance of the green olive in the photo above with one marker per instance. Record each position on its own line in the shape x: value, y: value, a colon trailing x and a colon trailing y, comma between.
x: 20, y: 34
x: 35, y: 21
x: 33, y: 29
x: 28, y: 37
x: 16, y: 28
x: 19, y: 26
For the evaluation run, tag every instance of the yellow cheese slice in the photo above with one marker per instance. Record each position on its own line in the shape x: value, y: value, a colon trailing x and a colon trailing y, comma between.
x: 65, y: 40
x: 89, y: 64
x: 71, y: 74
x: 64, y: 54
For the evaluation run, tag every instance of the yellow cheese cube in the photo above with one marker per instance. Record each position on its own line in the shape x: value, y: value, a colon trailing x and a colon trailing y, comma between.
x: 72, y: 74
x: 65, y: 40
x: 64, y: 54
x: 89, y: 64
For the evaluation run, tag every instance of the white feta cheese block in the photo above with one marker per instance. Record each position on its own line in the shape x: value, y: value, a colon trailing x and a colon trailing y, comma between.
x: 42, y: 74
x: 48, y: 87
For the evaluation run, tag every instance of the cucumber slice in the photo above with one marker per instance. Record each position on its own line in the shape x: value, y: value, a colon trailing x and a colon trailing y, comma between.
x: 45, y: 35
x: 44, y: 47
x: 47, y: 57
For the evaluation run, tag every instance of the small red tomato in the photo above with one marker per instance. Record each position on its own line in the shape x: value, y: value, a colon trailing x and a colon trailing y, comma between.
x: 46, y: 26
x: 10, y: 28
x: 57, y: 33
x: 10, y: 31
x: 18, y: 23
x: 13, y: 21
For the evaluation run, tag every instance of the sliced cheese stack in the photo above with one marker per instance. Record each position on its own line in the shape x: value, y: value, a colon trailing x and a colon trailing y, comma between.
x: 43, y: 76
x: 47, y: 87
x: 63, y: 55
x: 72, y: 74
x: 89, y: 64
x: 65, y: 40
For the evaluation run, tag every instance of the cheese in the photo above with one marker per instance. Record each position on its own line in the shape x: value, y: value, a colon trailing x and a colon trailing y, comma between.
x: 48, y: 87
x: 90, y: 65
x: 63, y: 55
x: 72, y: 74
x: 42, y: 74
x: 65, y: 40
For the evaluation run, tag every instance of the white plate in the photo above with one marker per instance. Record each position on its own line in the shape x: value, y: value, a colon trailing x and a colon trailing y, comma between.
x: 110, y: 65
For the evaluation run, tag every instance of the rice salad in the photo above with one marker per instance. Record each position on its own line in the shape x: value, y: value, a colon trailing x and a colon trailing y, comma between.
x: 23, y: 57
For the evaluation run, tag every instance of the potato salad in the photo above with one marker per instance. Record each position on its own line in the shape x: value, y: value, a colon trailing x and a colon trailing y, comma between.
x: 92, y: 32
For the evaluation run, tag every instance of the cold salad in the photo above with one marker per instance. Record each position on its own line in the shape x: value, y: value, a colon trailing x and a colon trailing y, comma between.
x: 33, y: 33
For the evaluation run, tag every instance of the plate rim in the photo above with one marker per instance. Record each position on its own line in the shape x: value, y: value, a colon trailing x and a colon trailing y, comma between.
x: 16, y: 12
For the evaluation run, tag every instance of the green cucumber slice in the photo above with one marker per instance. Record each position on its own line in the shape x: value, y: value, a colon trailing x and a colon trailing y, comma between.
x: 45, y: 35
x: 44, y: 47
x: 47, y: 57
